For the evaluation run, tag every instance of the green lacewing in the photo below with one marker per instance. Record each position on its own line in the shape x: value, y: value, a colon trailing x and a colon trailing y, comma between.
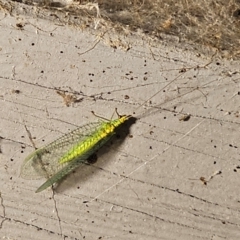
x: 57, y: 159
x: 60, y: 157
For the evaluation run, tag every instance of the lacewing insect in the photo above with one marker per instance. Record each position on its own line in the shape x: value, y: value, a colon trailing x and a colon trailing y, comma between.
x: 57, y: 159
x: 60, y: 157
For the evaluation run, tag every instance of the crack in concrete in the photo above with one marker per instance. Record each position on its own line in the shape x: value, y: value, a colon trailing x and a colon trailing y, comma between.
x: 3, y: 211
x: 38, y: 228
x: 56, y: 209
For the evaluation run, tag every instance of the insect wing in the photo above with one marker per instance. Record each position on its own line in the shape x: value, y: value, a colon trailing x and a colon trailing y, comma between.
x: 70, y: 166
x: 44, y: 162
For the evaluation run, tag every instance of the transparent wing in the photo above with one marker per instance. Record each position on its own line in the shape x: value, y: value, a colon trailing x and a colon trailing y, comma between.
x: 70, y: 166
x: 44, y: 162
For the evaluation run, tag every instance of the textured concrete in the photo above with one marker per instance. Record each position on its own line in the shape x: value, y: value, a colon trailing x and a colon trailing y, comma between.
x: 167, y: 179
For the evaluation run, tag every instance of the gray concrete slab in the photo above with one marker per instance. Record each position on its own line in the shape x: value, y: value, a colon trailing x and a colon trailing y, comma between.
x: 167, y: 179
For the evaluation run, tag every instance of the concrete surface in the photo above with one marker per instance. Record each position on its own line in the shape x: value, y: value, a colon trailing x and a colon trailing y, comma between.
x: 168, y: 179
